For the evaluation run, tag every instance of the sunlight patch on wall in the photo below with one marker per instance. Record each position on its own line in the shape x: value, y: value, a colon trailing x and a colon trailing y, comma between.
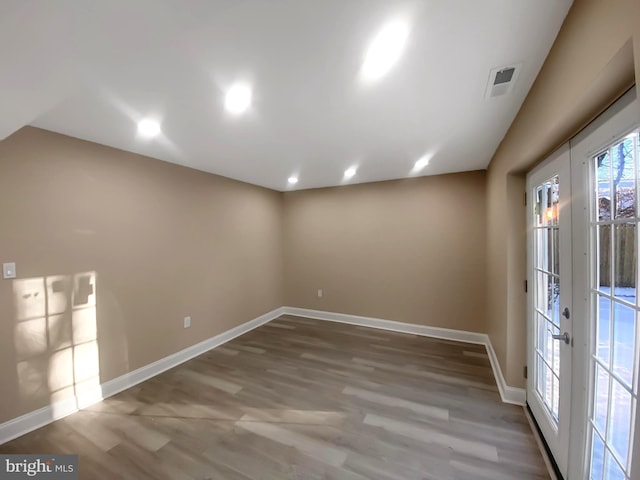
x: 56, y: 338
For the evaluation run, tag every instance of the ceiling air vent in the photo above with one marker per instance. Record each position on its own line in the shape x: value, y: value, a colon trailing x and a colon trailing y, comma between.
x: 501, y: 80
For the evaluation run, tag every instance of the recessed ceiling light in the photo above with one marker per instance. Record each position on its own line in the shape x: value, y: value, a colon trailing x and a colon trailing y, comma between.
x: 238, y: 99
x: 293, y: 180
x: 384, y: 50
x: 350, y: 172
x: 421, y: 163
x: 148, y: 128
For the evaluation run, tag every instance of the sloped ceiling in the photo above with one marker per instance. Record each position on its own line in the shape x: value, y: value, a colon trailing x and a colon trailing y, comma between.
x: 92, y: 70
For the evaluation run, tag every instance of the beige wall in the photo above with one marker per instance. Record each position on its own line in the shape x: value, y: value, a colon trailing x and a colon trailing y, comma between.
x: 157, y: 241
x: 408, y: 250
x: 591, y: 63
x: 164, y: 241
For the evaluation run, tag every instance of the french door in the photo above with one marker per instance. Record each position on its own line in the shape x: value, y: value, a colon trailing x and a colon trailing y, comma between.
x: 584, y: 312
x: 550, y: 331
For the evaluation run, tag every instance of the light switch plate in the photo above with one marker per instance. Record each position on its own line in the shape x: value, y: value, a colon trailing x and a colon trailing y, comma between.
x: 187, y: 322
x: 9, y: 270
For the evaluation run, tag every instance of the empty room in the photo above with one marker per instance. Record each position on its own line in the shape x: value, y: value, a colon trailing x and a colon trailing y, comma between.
x: 305, y: 239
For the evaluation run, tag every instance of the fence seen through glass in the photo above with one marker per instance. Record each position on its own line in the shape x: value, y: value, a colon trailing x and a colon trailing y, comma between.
x: 614, y: 372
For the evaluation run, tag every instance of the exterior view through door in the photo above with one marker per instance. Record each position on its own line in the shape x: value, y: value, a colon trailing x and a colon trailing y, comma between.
x: 613, y: 229
x: 583, y: 338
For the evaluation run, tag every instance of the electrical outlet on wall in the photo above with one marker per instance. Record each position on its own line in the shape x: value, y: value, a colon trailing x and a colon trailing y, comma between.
x: 9, y: 270
x: 320, y: 293
x: 187, y: 322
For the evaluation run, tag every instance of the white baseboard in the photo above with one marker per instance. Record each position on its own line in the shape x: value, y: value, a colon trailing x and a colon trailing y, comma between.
x: 38, y: 418
x: 516, y: 396
x: 424, y: 330
x: 130, y: 379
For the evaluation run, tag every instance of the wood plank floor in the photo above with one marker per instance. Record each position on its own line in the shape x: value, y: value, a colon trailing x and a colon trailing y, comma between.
x: 306, y: 399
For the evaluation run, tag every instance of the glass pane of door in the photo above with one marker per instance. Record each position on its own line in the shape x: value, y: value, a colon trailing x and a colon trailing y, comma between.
x: 614, y: 346
x: 546, y: 275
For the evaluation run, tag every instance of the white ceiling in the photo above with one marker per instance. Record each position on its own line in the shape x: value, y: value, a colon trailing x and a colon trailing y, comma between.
x: 93, y: 69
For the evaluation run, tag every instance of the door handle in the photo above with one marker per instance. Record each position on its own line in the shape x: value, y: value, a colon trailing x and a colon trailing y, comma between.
x: 563, y: 336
